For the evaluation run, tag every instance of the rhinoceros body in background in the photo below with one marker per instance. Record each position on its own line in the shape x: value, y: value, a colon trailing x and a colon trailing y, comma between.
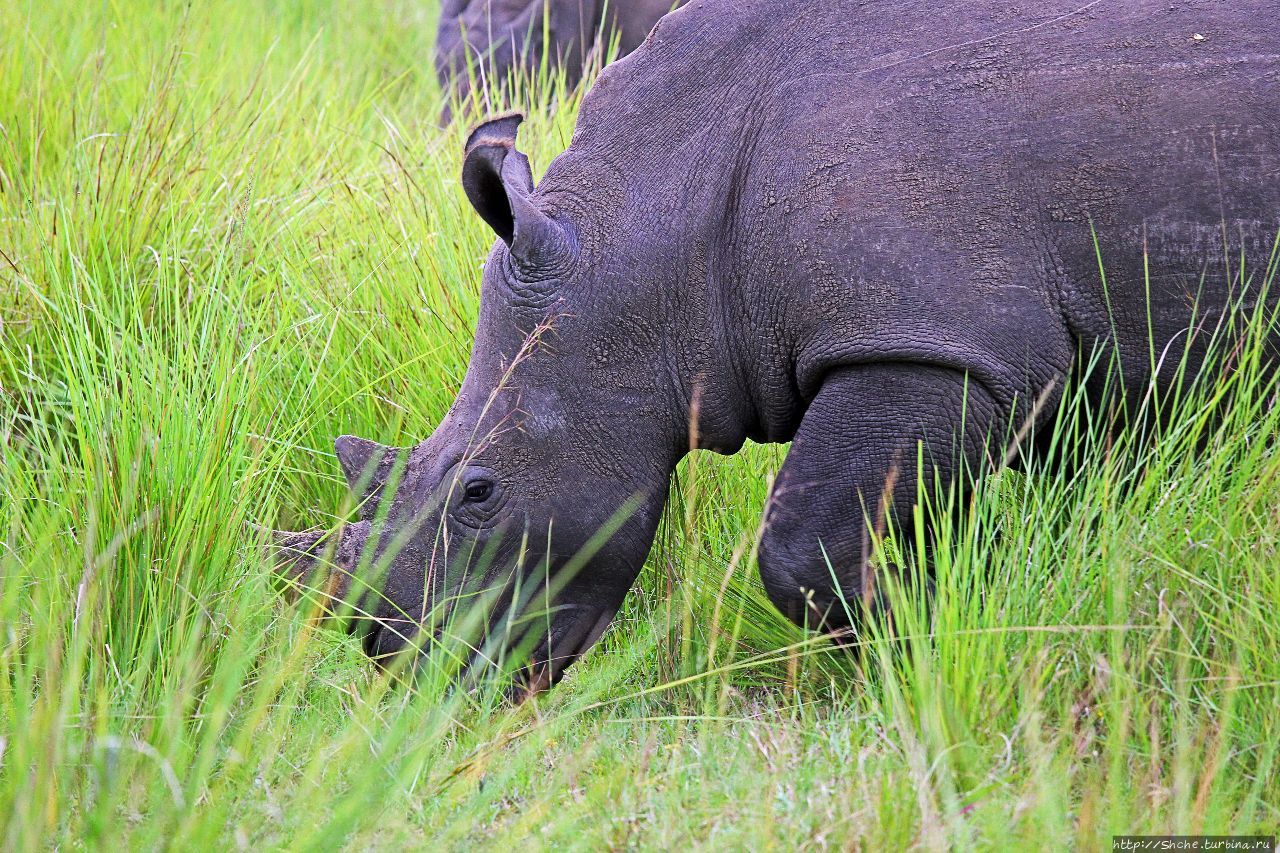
x: 495, y: 37
x: 864, y: 227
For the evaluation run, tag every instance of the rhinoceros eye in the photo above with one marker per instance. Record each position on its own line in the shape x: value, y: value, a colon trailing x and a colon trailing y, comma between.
x: 477, y: 491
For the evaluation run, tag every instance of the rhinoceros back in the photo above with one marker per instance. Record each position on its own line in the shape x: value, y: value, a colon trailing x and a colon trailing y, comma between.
x: 938, y: 182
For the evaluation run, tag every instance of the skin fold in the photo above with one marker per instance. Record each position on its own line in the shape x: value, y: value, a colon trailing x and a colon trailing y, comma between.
x: 872, y: 229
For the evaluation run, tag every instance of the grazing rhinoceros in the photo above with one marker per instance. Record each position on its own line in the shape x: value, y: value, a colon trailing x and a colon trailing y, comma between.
x: 494, y: 37
x: 872, y: 229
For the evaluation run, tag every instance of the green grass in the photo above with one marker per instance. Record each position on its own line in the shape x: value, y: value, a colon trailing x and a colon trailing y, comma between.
x: 233, y: 230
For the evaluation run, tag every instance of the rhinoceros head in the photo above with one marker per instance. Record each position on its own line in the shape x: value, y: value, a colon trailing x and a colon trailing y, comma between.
x: 546, y: 479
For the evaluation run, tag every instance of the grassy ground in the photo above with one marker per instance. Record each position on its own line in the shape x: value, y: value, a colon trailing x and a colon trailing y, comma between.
x: 233, y: 230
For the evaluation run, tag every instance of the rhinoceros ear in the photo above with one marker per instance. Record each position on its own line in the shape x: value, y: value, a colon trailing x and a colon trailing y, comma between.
x: 499, y: 185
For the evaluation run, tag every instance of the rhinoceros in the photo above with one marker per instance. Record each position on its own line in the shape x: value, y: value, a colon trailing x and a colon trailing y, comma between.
x: 882, y: 231
x: 491, y: 38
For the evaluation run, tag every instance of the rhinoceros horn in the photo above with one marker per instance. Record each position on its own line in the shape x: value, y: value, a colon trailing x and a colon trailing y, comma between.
x: 367, y: 466
x: 321, y: 561
x: 326, y: 561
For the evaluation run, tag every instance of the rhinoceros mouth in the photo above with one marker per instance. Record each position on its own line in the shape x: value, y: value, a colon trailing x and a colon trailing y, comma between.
x: 560, y: 650
x: 386, y: 640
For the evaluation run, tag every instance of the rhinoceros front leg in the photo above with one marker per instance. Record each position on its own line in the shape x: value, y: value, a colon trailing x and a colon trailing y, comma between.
x: 855, y: 465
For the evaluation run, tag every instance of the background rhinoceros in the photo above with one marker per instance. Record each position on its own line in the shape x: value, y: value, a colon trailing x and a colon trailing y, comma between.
x: 492, y: 38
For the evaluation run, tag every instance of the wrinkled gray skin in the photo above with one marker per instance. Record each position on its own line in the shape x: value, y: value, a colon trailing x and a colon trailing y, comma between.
x: 495, y: 37
x: 867, y: 231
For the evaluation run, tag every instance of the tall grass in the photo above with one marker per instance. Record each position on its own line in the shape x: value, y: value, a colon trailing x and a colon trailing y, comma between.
x: 232, y: 231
